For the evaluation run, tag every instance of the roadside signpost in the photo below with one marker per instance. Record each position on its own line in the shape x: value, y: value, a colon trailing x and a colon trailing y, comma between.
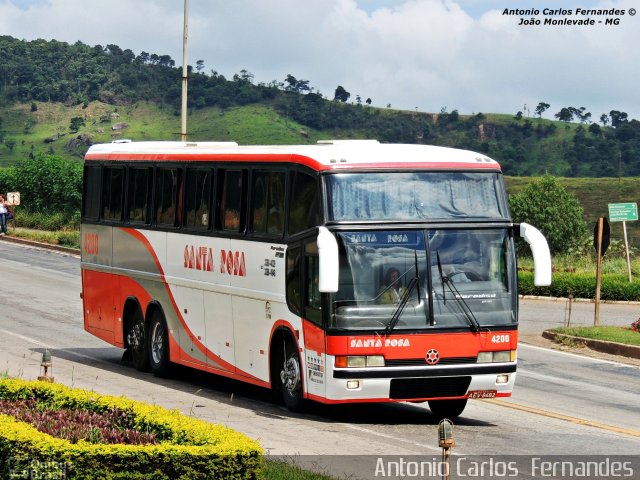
x: 13, y: 199
x: 601, y: 237
x: 624, y: 212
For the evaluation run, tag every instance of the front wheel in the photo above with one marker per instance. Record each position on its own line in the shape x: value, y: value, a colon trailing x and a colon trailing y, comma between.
x: 291, y: 378
x: 159, y: 346
x: 447, y: 408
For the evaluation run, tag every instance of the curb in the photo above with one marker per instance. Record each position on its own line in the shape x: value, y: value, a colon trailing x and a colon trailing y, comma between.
x: 603, y: 346
x: 47, y: 246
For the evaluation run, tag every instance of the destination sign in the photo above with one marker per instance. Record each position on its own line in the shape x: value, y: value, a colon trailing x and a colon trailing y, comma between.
x: 403, y: 238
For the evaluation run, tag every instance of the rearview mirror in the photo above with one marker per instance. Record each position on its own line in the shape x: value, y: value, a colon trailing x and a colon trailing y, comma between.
x: 328, y: 259
x: 541, y: 254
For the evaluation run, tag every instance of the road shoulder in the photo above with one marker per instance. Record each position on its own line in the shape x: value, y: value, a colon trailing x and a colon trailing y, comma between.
x: 539, y: 341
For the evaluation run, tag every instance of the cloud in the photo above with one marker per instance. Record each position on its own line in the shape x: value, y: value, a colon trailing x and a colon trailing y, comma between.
x: 428, y: 54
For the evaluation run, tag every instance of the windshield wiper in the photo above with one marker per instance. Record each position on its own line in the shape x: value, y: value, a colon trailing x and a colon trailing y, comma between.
x: 413, y: 283
x: 403, y: 302
x: 468, y: 313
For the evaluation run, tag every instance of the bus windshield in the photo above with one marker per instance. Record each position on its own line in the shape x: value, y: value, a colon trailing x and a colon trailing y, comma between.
x: 406, y: 196
x: 425, y: 279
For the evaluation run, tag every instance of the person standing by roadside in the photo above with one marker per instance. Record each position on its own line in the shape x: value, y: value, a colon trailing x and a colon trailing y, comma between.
x: 4, y: 211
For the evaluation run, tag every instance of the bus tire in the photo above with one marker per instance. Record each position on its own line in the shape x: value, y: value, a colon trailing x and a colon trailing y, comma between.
x: 291, y: 379
x: 137, y: 340
x: 447, y: 408
x: 158, y: 346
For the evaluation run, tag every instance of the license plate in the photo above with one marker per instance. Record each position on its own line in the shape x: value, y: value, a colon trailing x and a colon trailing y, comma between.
x: 483, y: 394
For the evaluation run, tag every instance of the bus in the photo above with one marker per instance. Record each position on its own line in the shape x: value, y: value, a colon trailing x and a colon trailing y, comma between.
x: 339, y: 272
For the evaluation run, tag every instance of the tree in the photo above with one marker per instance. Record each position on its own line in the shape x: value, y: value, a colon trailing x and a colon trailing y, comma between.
x: 545, y: 204
x: 75, y: 124
x: 341, y: 94
x: 580, y: 113
x: 565, y: 115
x: 604, y: 119
x: 295, y: 85
x: 617, y: 118
x: 594, y: 129
x: 541, y: 108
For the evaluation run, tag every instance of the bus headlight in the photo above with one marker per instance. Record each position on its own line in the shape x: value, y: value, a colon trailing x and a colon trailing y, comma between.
x: 356, y: 362
x: 497, y: 357
x: 359, y: 361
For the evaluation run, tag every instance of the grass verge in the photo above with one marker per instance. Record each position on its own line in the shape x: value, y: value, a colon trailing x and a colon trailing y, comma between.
x: 280, y: 470
x: 65, y: 238
x: 606, y: 333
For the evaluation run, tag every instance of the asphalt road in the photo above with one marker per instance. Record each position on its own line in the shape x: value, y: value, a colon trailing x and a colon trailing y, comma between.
x: 564, y: 404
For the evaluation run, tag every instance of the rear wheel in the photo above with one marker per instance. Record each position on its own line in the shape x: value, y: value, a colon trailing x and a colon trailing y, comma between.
x: 159, y: 346
x: 137, y: 340
x: 447, y: 408
x: 291, y: 378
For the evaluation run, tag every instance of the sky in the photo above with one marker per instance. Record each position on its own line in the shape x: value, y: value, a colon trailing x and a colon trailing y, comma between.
x: 425, y: 55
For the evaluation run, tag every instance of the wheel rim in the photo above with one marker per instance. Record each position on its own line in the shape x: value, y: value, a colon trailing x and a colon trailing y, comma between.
x: 290, y: 376
x: 136, y: 339
x: 157, y: 343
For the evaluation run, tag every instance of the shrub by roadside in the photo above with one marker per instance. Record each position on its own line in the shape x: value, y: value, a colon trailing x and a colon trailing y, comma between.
x: 581, y: 285
x: 64, y: 238
x: 188, y: 448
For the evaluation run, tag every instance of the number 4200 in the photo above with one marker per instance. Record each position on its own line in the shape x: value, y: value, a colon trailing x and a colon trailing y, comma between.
x: 500, y: 339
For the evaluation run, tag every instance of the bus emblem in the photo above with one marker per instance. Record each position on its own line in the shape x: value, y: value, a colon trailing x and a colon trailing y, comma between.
x: 433, y: 356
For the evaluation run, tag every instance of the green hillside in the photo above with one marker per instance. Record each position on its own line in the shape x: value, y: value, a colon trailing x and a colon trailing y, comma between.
x: 57, y: 97
x: 46, y: 129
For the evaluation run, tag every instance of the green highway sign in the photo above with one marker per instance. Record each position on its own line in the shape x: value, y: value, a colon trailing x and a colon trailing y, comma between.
x: 623, y: 212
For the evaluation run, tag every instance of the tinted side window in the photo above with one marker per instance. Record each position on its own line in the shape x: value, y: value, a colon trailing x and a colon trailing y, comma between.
x: 231, y: 206
x: 304, y: 206
x: 294, y: 280
x: 268, y: 202
x: 167, y: 190
x: 91, y: 196
x: 112, y: 190
x: 139, y: 183
x: 313, y: 299
x: 198, y: 198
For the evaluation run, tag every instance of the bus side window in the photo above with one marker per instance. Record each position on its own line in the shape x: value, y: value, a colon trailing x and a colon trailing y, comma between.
x: 139, y: 187
x: 112, y: 193
x: 304, y: 212
x: 268, y: 202
x: 294, y: 280
x: 198, y: 198
x: 92, y: 191
x: 231, y: 205
x: 313, y: 303
x: 167, y: 199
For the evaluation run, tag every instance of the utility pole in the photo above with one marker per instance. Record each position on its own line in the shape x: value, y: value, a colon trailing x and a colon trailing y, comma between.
x: 183, y: 130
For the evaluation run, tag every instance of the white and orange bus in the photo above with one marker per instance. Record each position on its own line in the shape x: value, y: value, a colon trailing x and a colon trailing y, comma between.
x: 347, y: 271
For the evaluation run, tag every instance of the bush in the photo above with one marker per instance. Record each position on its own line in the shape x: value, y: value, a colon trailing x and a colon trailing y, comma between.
x: 188, y: 448
x: 546, y: 205
x: 51, y: 222
x: 47, y: 183
x: 581, y: 285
